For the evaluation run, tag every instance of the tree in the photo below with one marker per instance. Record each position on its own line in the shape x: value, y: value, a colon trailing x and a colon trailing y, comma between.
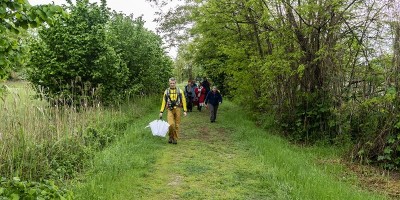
x: 71, y: 60
x: 323, y: 69
x: 94, y: 55
x: 142, y: 51
x: 13, y: 16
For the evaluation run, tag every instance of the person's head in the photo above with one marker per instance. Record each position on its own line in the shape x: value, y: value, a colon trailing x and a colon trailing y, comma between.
x: 214, y: 89
x: 172, y: 82
x: 190, y: 82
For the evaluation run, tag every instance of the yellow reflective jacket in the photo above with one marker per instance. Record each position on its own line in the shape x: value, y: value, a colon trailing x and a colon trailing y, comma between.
x: 170, y: 95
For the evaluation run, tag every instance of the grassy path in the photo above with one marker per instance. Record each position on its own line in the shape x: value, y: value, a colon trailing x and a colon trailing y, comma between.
x: 230, y: 159
x: 206, y: 164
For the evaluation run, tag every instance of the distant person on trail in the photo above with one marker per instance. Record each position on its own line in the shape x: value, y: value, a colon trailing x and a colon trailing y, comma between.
x: 173, y: 99
x: 189, y: 93
x: 194, y: 83
x: 206, y: 85
x: 195, y: 99
x: 212, y: 102
x: 201, y: 94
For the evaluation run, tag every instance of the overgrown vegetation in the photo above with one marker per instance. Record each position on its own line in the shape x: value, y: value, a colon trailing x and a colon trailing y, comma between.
x: 95, y: 53
x: 43, y: 142
x: 17, y: 189
x: 15, y: 16
x: 81, y: 57
x: 229, y: 159
x: 323, y: 69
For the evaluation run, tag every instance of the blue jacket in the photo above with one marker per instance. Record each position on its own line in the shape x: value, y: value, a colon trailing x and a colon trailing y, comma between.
x: 213, y: 98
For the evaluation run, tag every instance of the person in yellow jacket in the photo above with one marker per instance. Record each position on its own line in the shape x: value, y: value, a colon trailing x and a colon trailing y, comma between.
x: 173, y: 99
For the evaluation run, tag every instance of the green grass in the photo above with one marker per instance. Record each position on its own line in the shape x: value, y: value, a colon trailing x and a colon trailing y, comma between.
x: 299, y: 169
x: 111, y: 170
x: 39, y: 141
x: 230, y: 159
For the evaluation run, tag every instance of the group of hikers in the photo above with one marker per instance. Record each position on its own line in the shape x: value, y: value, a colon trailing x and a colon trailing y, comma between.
x: 199, y: 95
x: 196, y: 94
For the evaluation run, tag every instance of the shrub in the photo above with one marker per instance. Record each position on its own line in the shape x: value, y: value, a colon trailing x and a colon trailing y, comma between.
x: 17, y: 189
x: 71, y: 59
x: 375, y: 128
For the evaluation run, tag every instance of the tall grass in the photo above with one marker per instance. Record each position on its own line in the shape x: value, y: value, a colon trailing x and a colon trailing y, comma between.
x: 42, y: 141
x: 295, y: 171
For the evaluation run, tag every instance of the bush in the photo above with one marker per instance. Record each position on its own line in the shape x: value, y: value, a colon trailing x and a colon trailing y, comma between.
x: 17, y: 189
x: 374, y: 126
x: 71, y: 60
x: 90, y: 57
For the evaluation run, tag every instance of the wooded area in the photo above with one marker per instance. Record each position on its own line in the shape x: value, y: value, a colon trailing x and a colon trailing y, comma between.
x: 327, y: 70
x: 84, y: 52
x: 85, y: 62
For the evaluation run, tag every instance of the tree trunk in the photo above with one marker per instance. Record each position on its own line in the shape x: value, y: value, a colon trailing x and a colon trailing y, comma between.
x: 396, y: 59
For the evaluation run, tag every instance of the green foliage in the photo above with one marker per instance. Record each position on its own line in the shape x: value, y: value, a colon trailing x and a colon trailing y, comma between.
x: 18, y: 58
x: 63, y: 158
x: 212, y: 61
x: 309, y: 124
x: 57, y: 143
x: 148, y: 65
x: 308, y: 63
x: 374, y: 124
x: 14, y: 16
x: 96, y: 56
x: 17, y: 189
x: 72, y: 60
x: 233, y: 155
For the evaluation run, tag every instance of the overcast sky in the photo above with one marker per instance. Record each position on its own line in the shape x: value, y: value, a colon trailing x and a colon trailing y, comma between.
x: 135, y: 7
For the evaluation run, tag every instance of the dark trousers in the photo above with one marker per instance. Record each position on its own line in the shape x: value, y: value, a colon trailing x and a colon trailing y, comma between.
x: 213, y: 112
x: 189, y: 102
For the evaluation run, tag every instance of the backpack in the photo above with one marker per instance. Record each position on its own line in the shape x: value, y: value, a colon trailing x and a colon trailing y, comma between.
x: 171, y: 104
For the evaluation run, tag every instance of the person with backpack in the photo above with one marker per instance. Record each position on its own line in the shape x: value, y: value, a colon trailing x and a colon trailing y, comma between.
x: 173, y: 99
x: 213, y: 99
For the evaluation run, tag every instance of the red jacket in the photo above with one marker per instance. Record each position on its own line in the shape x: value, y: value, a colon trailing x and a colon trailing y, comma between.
x: 200, y: 93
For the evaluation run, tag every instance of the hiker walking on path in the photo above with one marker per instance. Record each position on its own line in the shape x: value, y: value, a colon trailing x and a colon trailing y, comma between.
x: 206, y: 85
x: 189, y: 93
x: 195, y: 98
x: 173, y: 99
x: 212, y: 101
x: 201, y: 96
